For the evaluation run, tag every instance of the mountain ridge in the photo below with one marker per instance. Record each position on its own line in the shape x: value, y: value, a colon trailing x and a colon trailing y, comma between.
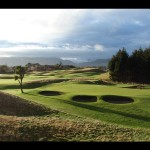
x: 14, y: 61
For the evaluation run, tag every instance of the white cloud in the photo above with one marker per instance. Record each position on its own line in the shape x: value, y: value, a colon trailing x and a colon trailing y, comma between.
x: 68, y: 58
x: 35, y: 25
x: 42, y: 48
x: 137, y: 22
x: 99, y: 47
x: 76, y: 47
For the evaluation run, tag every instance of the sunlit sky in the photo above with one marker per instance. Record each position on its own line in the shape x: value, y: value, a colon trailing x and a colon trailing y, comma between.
x: 73, y: 34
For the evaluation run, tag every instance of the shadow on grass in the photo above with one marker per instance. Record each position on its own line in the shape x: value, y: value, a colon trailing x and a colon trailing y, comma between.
x: 6, y: 77
x: 45, y: 94
x: 100, y: 82
x: 94, y: 73
x: 137, y: 87
x: 105, y: 110
x: 32, y: 85
x: 97, y: 82
x: 88, y: 72
x: 27, y: 93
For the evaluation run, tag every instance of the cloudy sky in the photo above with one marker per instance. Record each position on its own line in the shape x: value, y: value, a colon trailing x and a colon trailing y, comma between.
x: 73, y: 34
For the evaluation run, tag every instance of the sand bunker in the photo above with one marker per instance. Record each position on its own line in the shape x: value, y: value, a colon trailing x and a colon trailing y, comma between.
x: 50, y: 93
x: 84, y: 98
x: 117, y: 99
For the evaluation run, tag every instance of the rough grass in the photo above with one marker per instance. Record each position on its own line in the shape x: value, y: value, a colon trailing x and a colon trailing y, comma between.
x: 16, y: 106
x: 55, y: 128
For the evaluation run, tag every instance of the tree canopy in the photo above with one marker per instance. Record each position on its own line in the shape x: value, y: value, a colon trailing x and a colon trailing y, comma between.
x: 133, y: 68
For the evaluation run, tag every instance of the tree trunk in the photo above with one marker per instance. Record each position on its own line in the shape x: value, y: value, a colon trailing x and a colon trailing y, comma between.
x: 20, y: 82
x: 21, y: 89
x: 21, y: 86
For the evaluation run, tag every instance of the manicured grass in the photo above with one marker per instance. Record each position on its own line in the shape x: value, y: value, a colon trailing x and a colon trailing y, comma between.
x: 130, y: 117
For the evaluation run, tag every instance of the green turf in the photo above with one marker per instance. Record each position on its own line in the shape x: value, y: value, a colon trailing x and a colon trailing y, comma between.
x: 80, y: 82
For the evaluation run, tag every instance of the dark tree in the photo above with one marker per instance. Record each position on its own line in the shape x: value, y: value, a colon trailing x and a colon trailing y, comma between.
x: 59, y: 66
x: 147, y: 64
x: 19, y: 75
x: 136, y: 65
x: 134, y: 68
x: 118, y: 66
x: 3, y: 68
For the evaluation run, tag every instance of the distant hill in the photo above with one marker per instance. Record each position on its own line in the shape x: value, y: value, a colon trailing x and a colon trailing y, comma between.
x: 14, y: 61
x: 98, y: 62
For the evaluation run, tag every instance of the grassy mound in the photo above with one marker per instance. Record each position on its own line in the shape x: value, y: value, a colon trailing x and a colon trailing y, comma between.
x: 117, y: 99
x: 50, y: 93
x: 84, y: 98
x: 16, y: 106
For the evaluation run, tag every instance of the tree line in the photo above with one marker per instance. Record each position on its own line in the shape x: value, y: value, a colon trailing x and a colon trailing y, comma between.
x: 130, y: 68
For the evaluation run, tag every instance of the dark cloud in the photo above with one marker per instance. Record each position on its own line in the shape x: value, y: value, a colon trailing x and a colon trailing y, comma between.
x: 119, y: 28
